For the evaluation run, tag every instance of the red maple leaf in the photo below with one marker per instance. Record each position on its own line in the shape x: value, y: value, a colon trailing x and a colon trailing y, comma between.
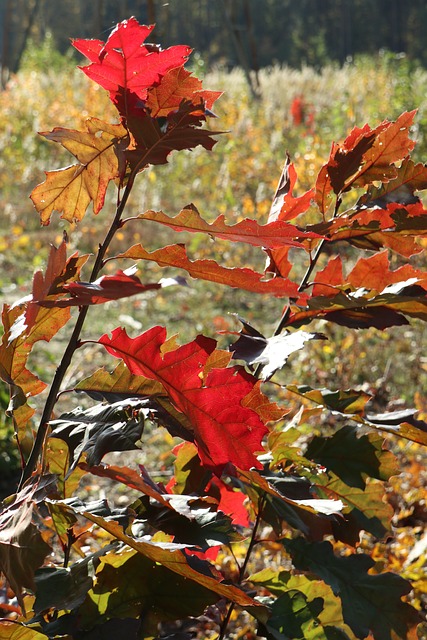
x: 225, y: 431
x: 125, y: 66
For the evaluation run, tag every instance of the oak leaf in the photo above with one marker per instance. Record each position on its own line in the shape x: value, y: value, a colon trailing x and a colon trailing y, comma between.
x: 271, y: 235
x: 241, y: 278
x: 365, y: 156
x: 225, y: 431
x: 69, y: 191
x: 122, y: 284
x: 124, y: 62
x: 285, y: 205
x: 370, y: 602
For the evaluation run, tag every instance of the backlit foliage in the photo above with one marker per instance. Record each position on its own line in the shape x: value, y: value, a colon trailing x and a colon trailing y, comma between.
x: 281, y: 495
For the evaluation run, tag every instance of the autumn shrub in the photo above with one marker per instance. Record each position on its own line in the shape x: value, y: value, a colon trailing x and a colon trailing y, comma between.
x: 262, y: 503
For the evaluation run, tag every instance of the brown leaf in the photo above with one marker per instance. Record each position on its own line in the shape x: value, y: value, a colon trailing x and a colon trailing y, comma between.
x: 22, y: 548
x: 366, y: 155
x: 175, y: 560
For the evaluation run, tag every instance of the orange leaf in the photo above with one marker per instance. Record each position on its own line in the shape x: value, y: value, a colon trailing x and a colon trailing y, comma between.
x: 273, y: 234
x: 69, y: 191
x: 241, y: 278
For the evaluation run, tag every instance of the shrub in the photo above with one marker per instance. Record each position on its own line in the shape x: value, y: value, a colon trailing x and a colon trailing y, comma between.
x: 306, y: 484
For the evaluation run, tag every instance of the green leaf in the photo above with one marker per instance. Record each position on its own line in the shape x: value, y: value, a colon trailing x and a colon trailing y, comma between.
x: 101, y: 429
x: 371, y: 603
x: 15, y: 631
x: 323, y: 609
x: 348, y: 401
x: 129, y: 585
x: 353, y: 458
x: 190, y: 476
x: 366, y: 509
x: 65, y: 588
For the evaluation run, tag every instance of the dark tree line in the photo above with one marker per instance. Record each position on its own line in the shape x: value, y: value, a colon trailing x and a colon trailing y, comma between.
x: 249, y: 33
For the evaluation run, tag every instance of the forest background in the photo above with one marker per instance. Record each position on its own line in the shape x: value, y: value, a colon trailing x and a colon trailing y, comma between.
x: 295, y: 76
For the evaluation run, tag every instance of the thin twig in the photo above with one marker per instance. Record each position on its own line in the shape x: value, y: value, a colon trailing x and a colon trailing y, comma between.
x: 74, y: 341
x: 252, y: 543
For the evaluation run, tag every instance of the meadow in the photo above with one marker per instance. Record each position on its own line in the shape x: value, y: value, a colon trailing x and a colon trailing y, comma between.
x: 300, y: 112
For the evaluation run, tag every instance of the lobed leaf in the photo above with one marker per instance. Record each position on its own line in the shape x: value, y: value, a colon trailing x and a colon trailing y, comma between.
x: 241, y: 278
x: 174, y: 87
x: 121, y: 285
x: 271, y: 235
x: 123, y: 62
x: 69, y: 191
x: 175, y: 560
x: 272, y: 353
x: 365, y: 509
x: 410, y: 177
x: 285, y: 205
x: 371, y: 603
x: 26, y: 323
x: 365, y: 156
x: 129, y: 583
x: 22, y: 547
x: 153, y: 139
x: 101, y: 429
x: 11, y: 630
x: 353, y: 457
x: 325, y: 620
x: 224, y: 430
x: 402, y: 425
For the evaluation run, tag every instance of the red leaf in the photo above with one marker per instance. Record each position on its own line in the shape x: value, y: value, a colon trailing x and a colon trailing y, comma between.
x: 365, y: 156
x: 121, y: 285
x: 377, y: 227
x: 278, y: 262
x: 225, y: 430
x: 231, y: 503
x: 329, y: 278
x: 25, y: 323
x: 124, y: 62
x: 273, y: 234
x: 241, y: 278
x: 285, y: 206
x: 410, y: 177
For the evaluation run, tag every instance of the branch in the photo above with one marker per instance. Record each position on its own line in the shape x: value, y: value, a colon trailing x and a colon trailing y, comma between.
x: 74, y: 342
x: 252, y: 543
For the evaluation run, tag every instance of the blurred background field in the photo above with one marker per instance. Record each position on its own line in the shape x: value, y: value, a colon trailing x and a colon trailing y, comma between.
x: 300, y: 109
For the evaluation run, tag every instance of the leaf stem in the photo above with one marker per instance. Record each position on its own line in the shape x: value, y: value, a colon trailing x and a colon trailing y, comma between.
x: 313, y: 262
x: 252, y: 543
